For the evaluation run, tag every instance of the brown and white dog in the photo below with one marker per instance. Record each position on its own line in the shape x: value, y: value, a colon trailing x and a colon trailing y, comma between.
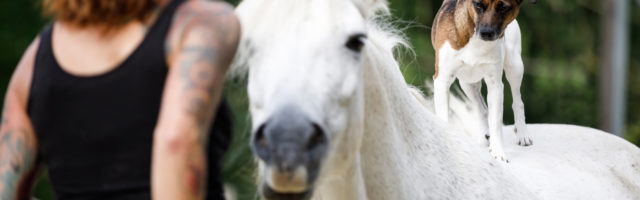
x: 476, y: 40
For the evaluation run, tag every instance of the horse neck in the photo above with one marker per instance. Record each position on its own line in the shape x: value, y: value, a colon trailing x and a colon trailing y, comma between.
x: 394, y: 139
x: 407, y: 153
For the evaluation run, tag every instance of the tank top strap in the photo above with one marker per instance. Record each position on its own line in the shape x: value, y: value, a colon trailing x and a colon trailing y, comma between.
x: 158, y: 32
x: 44, y: 54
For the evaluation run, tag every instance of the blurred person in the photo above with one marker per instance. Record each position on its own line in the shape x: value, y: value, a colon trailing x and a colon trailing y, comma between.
x: 116, y: 99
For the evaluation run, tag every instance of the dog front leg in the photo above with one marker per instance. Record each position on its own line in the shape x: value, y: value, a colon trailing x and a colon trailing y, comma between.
x: 441, y: 86
x: 495, y: 97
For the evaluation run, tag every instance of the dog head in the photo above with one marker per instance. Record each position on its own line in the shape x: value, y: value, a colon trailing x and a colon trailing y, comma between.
x: 491, y: 17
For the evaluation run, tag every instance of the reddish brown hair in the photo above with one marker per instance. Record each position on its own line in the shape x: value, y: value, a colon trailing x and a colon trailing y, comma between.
x: 107, y: 13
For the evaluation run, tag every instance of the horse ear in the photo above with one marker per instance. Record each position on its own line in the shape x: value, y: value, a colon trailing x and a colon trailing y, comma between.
x: 369, y: 8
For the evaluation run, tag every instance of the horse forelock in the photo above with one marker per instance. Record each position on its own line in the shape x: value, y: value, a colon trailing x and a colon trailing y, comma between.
x: 370, y: 8
x: 259, y: 16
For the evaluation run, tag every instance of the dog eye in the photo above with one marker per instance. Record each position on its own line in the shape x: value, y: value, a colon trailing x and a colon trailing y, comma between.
x: 478, y: 6
x: 356, y: 42
x: 502, y: 8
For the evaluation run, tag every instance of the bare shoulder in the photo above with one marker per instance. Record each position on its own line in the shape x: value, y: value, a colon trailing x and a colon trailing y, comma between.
x: 21, y: 79
x: 217, y: 15
x: 212, y: 7
x: 214, y: 23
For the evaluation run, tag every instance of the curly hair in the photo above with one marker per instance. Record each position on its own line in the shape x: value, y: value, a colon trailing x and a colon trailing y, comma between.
x: 108, y: 13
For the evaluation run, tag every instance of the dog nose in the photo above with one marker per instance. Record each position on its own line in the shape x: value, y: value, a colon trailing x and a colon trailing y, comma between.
x: 487, y: 33
x: 289, y: 139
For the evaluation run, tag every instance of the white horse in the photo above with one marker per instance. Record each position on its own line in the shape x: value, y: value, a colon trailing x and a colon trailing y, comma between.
x: 334, y: 119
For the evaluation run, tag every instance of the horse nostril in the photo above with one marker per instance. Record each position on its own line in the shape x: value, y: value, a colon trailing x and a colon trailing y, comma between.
x: 260, y: 139
x: 317, y: 139
x: 260, y: 143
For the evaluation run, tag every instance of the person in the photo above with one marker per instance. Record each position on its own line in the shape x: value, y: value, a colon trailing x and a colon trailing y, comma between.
x: 116, y: 99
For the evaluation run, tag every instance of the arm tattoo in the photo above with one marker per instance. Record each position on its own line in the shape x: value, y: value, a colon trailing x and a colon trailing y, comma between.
x: 199, y: 75
x: 17, y: 157
x: 195, y: 180
x: 202, y: 62
x: 201, y: 67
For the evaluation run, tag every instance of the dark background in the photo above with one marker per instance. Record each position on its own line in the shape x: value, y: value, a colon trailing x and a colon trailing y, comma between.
x: 561, y: 42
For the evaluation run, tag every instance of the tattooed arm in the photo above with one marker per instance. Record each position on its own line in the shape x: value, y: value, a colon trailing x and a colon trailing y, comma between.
x: 17, y: 139
x: 201, y: 44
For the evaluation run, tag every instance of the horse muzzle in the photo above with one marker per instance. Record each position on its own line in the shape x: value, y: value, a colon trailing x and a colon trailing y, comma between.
x: 269, y: 194
x: 292, y: 148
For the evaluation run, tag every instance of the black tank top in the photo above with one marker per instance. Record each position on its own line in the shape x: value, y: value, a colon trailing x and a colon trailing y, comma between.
x: 95, y: 133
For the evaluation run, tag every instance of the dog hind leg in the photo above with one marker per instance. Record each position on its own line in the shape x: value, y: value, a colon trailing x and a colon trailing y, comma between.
x: 474, y: 93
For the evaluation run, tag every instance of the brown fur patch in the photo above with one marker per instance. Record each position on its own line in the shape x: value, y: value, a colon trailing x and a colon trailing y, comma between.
x: 453, y: 23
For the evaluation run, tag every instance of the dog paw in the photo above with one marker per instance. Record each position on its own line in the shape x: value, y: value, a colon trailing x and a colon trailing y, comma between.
x: 524, y: 139
x: 498, y: 154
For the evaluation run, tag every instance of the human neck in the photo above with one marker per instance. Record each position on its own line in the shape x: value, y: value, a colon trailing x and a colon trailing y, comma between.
x: 99, y: 53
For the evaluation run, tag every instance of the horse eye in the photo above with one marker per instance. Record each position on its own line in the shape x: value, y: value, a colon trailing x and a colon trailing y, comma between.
x: 356, y: 42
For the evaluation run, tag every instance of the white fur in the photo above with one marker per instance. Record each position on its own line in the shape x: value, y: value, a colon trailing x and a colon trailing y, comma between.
x: 479, y: 60
x: 384, y: 143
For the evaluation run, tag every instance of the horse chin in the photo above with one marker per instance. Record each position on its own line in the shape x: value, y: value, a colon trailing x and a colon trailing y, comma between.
x: 269, y: 194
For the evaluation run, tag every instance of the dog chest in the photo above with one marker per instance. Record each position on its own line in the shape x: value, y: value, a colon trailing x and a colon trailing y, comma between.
x: 472, y: 62
x: 480, y: 52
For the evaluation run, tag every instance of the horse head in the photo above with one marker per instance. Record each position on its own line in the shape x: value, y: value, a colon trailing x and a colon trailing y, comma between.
x: 304, y: 61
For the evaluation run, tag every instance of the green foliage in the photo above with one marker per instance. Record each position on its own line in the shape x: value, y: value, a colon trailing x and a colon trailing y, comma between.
x: 239, y: 165
x: 560, y: 50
